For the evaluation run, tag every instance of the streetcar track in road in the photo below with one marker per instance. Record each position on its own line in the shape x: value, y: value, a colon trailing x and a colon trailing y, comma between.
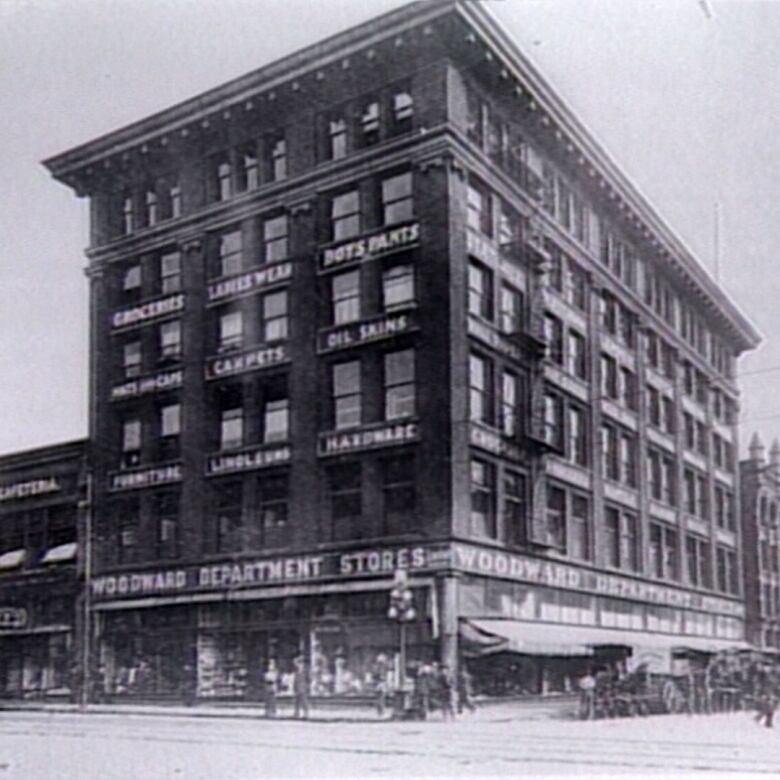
x: 527, y: 753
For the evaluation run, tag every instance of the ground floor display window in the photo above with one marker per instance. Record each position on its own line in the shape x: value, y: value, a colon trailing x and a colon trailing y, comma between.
x: 35, y: 665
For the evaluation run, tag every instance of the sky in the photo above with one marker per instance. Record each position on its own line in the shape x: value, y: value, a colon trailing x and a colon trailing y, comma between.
x: 683, y: 94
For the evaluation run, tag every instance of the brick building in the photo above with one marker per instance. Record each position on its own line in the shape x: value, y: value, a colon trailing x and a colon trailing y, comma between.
x: 40, y: 491
x: 760, y: 501
x: 386, y: 304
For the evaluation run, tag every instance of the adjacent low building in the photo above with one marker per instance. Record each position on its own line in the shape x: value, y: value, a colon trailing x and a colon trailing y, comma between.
x: 40, y: 586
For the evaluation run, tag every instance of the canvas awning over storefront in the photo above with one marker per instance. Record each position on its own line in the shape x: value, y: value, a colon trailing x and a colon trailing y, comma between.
x: 12, y: 559
x: 482, y: 637
x: 60, y: 553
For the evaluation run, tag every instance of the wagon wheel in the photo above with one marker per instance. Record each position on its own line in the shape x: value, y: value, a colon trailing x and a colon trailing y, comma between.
x: 672, y: 697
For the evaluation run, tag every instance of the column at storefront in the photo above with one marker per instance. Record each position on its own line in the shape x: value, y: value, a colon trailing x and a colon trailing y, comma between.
x: 448, y: 619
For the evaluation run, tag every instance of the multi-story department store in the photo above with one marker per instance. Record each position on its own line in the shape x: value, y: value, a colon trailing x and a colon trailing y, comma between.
x: 386, y: 304
x: 40, y: 491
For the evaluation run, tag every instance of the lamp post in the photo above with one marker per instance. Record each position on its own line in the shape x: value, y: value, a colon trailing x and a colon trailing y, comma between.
x: 401, y: 610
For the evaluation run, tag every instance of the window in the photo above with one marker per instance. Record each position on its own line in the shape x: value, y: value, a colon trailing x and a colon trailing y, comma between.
x: 399, y: 384
x: 170, y: 420
x: 275, y: 239
x: 397, y: 201
x: 689, y: 431
x: 131, y: 282
x: 654, y: 406
x: 509, y: 402
x: 514, y: 507
x: 231, y: 331
x: 669, y: 477
x: 230, y: 253
x: 553, y: 420
x: 346, y: 297
x: 397, y: 286
x: 669, y: 415
x: 345, y: 215
x: 346, y: 506
x: 555, y: 517
x: 480, y: 214
x: 347, y: 399
x: 369, y: 124
x: 127, y: 539
x: 612, y: 536
x: 652, y: 352
x: 481, y: 389
x: 609, y: 313
x: 170, y: 272
x: 553, y: 333
x: 577, y: 449
x: 654, y: 474
x: 628, y: 459
x: 170, y: 340
x: 337, y: 138
x: 555, y: 271
x: 128, y: 215
x: 610, y: 452
x: 399, y: 498
x: 276, y: 420
x: 578, y: 355
x: 697, y: 553
x: 229, y: 516
x: 276, y: 157
x: 274, y: 491
x: 663, y: 551
x: 174, y: 201
x: 275, y: 316
x: 231, y: 428
x: 511, y: 314
x: 669, y: 360
x: 629, y: 542
x: 483, y: 499
x: 403, y: 112
x: 579, y: 537
x: 577, y: 286
x: 609, y: 377
x: 248, y: 170
x: 702, y: 497
x: 224, y: 173
x: 151, y: 208
x: 167, y: 513
x: 628, y: 389
x: 131, y: 442
x: 131, y: 359
x: 480, y: 290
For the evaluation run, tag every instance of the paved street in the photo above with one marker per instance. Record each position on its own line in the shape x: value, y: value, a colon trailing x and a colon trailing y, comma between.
x: 38, y: 745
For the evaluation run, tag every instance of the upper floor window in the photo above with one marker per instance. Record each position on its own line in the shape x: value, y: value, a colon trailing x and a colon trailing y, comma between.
x: 399, y: 499
x: 131, y: 442
x: 275, y: 322
x: 514, y: 510
x: 345, y: 498
x: 170, y: 272
x: 170, y: 420
x: 276, y: 420
x: 275, y: 238
x: 369, y: 123
x: 248, y: 174
x: 174, y: 201
x: 151, y: 206
x: 167, y: 513
x: 131, y: 282
x: 347, y: 395
x: 511, y: 314
x: 346, y: 297
x: 553, y: 334
x: 480, y: 213
x: 337, y: 138
x: 397, y: 202
x: 509, y: 403
x: 481, y: 389
x: 480, y: 290
x: 403, y: 112
x: 397, y: 286
x: 231, y: 330
x: 224, y: 173
x: 230, y: 253
x: 231, y: 428
x: 131, y: 359
x: 170, y: 340
x: 128, y: 214
x: 399, y: 384
x: 578, y: 355
x: 345, y: 215
x: 483, y: 499
x: 577, y: 449
x: 555, y: 517
x: 276, y: 157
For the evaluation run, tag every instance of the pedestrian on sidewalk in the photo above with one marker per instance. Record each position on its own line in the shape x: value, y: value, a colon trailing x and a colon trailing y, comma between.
x: 447, y: 692
x: 464, y: 689
x: 301, y: 685
x: 270, y: 684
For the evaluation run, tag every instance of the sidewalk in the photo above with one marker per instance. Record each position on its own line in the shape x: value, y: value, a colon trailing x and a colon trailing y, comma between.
x: 337, y: 712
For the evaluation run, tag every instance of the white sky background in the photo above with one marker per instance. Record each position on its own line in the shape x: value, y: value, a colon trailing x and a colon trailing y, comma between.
x: 686, y: 104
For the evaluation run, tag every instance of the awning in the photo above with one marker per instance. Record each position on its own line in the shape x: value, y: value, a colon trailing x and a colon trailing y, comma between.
x: 60, y: 553
x: 12, y: 559
x: 566, y: 640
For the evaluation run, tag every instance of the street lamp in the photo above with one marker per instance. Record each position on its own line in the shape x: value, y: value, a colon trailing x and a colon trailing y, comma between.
x: 401, y: 610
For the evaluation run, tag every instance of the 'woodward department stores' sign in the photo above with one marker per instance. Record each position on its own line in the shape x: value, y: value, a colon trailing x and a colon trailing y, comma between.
x: 362, y: 332
x: 257, y: 458
x: 165, y: 380
x: 240, y: 363
x: 147, y: 311
x: 367, y: 438
x: 512, y: 566
x: 249, y: 282
x: 376, y: 244
x: 13, y: 617
x: 141, y: 478
x: 33, y: 487
x: 281, y: 570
